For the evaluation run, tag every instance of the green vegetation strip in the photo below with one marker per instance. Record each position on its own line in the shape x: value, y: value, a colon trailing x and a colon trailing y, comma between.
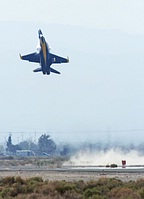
x: 36, y: 187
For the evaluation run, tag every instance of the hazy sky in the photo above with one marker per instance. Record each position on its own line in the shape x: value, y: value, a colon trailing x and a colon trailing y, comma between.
x: 125, y: 15
x: 102, y: 87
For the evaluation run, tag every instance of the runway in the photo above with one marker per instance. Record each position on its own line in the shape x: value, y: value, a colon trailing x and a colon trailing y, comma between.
x: 129, y: 169
x: 75, y: 169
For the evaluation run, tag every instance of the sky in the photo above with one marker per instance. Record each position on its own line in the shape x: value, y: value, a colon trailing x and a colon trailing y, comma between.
x: 99, y: 94
x: 126, y: 15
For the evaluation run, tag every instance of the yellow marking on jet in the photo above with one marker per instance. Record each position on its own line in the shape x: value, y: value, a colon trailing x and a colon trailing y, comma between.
x: 44, y: 51
x: 43, y: 45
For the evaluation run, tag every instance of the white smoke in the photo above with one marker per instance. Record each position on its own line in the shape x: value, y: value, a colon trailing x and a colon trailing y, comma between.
x: 112, y: 156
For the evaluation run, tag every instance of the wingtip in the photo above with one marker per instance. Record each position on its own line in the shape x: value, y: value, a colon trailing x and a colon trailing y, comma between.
x: 20, y: 56
x: 67, y: 59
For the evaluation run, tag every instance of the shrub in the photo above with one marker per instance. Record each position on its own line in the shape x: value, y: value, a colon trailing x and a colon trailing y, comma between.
x: 80, y: 185
x: 123, y: 193
x: 8, y: 180
x: 104, y: 188
x: 139, y: 183
x: 44, y: 189
x: 112, y: 183
x: 141, y: 192
x: 64, y: 186
x: 35, y: 196
x: 5, y: 193
x: 19, y: 180
x: 37, y: 179
x: 91, y: 192
x: 113, y: 165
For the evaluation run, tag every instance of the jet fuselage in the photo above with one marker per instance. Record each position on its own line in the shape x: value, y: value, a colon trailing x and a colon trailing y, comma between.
x: 44, y: 56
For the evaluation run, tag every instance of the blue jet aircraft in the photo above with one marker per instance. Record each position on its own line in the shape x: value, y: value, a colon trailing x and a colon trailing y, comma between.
x: 44, y: 57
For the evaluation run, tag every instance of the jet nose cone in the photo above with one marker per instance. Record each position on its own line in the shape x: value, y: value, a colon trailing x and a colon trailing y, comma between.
x: 39, y: 33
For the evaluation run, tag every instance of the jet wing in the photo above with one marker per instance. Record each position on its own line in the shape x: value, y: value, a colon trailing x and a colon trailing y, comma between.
x: 56, y: 59
x: 33, y: 57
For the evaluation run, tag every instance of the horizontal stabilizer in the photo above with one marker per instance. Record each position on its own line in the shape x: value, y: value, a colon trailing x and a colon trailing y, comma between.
x: 37, y: 70
x: 54, y: 71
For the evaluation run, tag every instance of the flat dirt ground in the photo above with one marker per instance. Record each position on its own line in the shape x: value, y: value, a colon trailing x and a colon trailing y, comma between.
x: 72, y: 175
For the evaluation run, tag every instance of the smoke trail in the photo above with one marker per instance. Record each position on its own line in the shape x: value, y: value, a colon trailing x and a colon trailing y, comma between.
x: 111, y: 156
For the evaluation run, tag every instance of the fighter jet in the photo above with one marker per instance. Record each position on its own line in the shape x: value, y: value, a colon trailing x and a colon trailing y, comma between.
x: 44, y: 57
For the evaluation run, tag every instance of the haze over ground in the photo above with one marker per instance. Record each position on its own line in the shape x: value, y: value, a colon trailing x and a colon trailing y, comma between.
x: 99, y: 94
